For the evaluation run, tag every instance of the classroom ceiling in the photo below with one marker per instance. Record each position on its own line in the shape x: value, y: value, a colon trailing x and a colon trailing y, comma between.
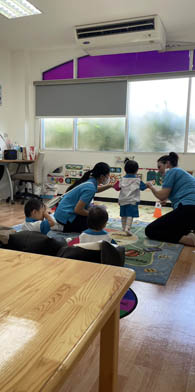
x: 54, y: 28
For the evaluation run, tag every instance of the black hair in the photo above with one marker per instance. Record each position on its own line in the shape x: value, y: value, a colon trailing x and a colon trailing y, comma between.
x: 97, y: 217
x: 125, y: 160
x: 172, y: 158
x: 99, y: 169
x: 163, y: 159
x: 32, y: 204
x: 131, y: 167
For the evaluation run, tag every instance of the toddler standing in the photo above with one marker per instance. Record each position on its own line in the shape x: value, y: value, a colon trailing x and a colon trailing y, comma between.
x: 129, y: 197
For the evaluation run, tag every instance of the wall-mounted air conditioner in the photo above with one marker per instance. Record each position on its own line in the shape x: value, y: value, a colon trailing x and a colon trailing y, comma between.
x: 122, y: 36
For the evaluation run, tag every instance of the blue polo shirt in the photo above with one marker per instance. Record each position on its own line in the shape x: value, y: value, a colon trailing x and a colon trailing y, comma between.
x: 85, y: 192
x: 182, y: 186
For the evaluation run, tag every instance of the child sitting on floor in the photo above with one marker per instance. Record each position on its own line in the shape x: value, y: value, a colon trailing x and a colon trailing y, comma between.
x: 38, y: 219
x: 97, y: 219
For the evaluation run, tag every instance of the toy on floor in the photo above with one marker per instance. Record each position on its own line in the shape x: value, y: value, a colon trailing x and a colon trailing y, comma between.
x: 158, y: 210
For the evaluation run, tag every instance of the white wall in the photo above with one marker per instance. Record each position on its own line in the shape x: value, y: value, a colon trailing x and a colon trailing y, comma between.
x: 18, y: 70
x: 5, y: 82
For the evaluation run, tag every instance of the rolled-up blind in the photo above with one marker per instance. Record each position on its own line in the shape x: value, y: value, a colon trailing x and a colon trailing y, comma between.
x: 105, y: 98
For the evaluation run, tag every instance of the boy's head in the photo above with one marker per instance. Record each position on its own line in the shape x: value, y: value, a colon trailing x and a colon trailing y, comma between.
x: 34, y: 208
x: 131, y: 167
x: 97, y: 218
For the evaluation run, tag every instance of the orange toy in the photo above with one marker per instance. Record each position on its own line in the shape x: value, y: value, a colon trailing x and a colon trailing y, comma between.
x: 157, y: 211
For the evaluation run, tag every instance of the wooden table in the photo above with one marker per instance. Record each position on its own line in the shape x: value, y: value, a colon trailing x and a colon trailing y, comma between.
x: 50, y: 311
x: 19, y: 162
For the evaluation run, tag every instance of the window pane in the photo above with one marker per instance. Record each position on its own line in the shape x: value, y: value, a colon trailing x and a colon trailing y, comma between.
x: 157, y: 115
x: 58, y: 132
x: 101, y: 134
x: 191, y: 136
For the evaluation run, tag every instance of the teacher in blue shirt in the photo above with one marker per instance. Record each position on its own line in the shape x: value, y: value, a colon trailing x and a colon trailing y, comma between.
x: 179, y: 187
x: 72, y: 211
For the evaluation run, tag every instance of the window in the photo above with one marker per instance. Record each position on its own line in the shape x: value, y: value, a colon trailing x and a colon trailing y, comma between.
x: 57, y: 133
x: 101, y: 134
x: 191, y: 136
x: 157, y: 115
x: 157, y: 119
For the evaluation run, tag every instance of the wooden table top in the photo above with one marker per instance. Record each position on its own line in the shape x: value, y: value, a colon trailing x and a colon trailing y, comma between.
x: 50, y: 310
x: 16, y: 161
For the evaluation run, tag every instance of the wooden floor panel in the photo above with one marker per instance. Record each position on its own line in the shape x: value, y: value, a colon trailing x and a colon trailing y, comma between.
x: 157, y: 341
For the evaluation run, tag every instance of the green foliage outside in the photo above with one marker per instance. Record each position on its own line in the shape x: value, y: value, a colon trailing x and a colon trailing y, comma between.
x: 58, y: 133
x: 163, y: 131
x: 152, y: 132
x: 101, y: 134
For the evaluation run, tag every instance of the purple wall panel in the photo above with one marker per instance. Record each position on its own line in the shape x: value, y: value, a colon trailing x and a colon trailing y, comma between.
x: 194, y: 62
x: 122, y: 64
x: 62, y: 71
x: 132, y: 64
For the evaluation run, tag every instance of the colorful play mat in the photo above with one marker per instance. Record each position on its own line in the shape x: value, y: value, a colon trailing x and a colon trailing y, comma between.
x: 153, y: 261
x: 128, y: 303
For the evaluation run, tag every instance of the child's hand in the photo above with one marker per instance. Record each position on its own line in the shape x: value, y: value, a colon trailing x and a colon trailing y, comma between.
x: 45, y: 213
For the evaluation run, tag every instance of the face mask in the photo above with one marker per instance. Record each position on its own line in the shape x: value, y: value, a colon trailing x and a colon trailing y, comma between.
x: 106, y: 180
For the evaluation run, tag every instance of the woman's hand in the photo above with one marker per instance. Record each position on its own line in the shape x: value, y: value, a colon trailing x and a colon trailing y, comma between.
x: 161, y: 194
x: 149, y: 185
x: 163, y: 202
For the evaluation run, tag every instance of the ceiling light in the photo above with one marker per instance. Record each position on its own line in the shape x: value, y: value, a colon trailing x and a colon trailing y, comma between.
x: 17, y: 8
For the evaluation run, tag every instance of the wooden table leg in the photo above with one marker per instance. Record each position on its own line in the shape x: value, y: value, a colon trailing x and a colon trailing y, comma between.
x: 109, y: 342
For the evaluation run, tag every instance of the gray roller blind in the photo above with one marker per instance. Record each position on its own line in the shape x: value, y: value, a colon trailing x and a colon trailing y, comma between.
x: 105, y: 98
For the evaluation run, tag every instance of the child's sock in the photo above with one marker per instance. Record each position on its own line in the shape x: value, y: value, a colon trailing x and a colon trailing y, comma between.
x: 129, y: 221
x: 123, y: 222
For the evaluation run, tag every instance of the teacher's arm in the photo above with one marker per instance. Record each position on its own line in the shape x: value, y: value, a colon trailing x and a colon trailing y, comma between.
x: 102, y: 188
x: 160, y: 194
x: 80, y: 208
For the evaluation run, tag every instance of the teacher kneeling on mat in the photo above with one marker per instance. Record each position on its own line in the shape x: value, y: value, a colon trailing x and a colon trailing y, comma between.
x: 72, y: 210
x: 179, y: 187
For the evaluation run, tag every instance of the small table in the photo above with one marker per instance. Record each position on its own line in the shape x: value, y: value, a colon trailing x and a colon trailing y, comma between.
x: 50, y: 311
x: 5, y: 163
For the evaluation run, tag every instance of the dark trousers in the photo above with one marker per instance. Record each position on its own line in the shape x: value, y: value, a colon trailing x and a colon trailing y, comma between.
x: 172, y: 226
x: 78, y: 225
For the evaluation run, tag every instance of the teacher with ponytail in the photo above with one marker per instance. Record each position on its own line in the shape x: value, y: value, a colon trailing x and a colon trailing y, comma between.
x: 72, y: 211
x: 179, y: 187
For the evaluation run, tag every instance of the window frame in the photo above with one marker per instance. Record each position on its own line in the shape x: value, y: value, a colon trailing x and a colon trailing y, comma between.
x: 190, y: 75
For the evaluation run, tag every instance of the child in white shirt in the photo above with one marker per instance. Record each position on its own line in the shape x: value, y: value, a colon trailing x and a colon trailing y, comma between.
x: 129, y: 197
x: 97, y: 219
x: 38, y: 219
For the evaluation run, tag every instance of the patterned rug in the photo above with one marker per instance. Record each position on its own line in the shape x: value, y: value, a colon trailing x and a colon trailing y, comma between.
x: 128, y: 303
x: 153, y: 261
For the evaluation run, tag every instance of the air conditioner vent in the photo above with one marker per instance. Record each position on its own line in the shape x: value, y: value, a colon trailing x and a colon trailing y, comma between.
x: 141, y: 34
x: 116, y: 28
